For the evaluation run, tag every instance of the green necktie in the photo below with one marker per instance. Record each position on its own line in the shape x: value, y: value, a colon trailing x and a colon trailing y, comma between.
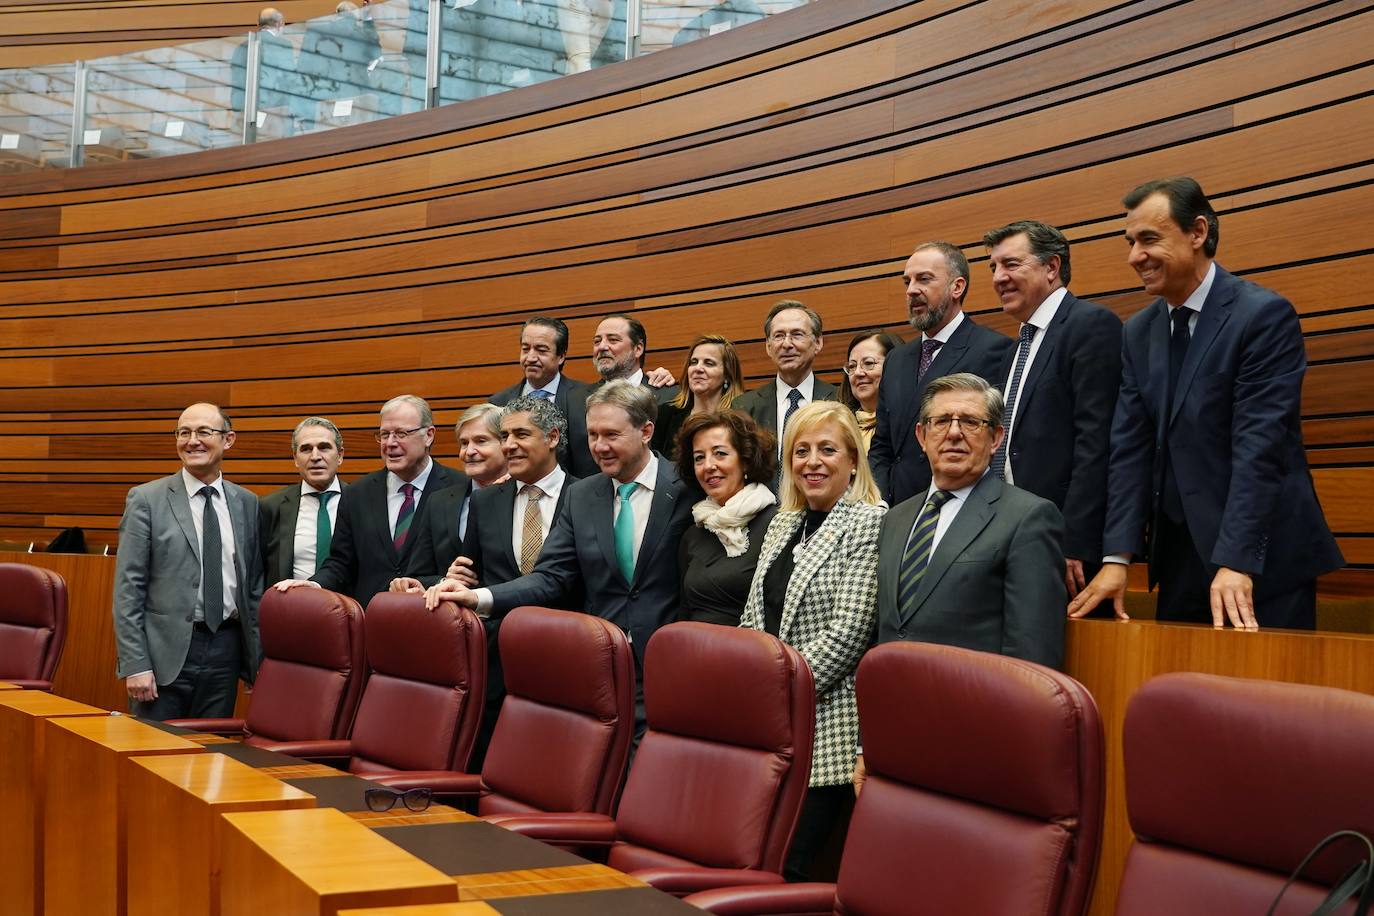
x: 625, y: 532
x: 323, y: 532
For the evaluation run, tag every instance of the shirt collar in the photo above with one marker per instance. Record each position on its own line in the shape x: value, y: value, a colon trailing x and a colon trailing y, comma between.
x: 962, y: 493
x: 1045, y: 312
x: 393, y: 483
x: 334, y: 487
x: 648, y: 477
x: 194, y: 486
x: 551, y: 387
x: 807, y: 387
x: 945, y: 333
x: 549, y: 485
x: 1199, y: 295
x: 636, y: 377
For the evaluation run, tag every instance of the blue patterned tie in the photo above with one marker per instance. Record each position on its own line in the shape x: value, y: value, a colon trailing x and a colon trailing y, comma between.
x: 541, y: 394
x: 918, y: 550
x: 625, y: 532
x: 1023, y: 348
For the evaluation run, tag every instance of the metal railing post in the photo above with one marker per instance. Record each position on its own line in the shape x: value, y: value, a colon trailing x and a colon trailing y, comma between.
x: 633, y: 13
x: 78, y: 140
x: 251, y: 67
x: 432, y: 55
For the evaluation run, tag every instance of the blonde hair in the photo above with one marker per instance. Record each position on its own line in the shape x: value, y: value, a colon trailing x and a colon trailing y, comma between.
x: 863, y: 488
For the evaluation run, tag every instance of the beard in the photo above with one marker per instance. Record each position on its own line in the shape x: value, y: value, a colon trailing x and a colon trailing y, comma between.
x: 934, y: 314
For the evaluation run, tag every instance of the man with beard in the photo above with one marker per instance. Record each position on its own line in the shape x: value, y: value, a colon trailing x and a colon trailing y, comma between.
x: 937, y: 280
x: 618, y: 349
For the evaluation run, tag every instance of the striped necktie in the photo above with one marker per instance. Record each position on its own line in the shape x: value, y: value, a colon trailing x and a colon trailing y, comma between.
x: 918, y: 550
x: 1023, y: 347
x: 403, y: 518
x: 532, y: 529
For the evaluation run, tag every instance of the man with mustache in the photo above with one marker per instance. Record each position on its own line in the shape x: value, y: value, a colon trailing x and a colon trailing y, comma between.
x: 618, y: 349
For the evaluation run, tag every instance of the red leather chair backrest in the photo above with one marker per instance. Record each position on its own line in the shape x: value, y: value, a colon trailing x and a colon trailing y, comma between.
x: 721, y: 772
x: 564, y: 731
x: 313, y: 666
x: 1229, y: 782
x: 423, y: 699
x: 985, y: 787
x: 33, y: 623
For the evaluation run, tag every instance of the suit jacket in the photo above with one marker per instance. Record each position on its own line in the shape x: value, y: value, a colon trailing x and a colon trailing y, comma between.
x: 1059, y: 442
x: 662, y: 395
x: 571, y: 399
x: 490, y: 542
x: 580, y: 552
x: 898, y: 463
x: 995, y: 583
x: 438, y: 541
x: 157, y: 578
x: 761, y: 403
x: 362, y: 558
x: 277, y: 515
x: 827, y: 616
x: 1233, y: 435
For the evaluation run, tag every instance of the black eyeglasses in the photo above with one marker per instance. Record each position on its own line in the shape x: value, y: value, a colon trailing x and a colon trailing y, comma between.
x: 384, y: 799
x: 400, y: 435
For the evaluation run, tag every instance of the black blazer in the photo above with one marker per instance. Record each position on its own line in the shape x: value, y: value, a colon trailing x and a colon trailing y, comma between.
x: 490, y: 537
x: 899, y: 465
x: 439, y: 541
x: 277, y: 514
x: 580, y: 551
x: 571, y: 399
x: 1234, y: 439
x: 1059, y: 442
x: 362, y: 559
x: 715, y: 587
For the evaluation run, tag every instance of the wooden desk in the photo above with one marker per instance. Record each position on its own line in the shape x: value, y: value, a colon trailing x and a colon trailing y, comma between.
x: 7, y: 686
x: 84, y: 809
x: 22, y: 779
x: 315, y: 863
x: 626, y: 901
x: 178, y: 802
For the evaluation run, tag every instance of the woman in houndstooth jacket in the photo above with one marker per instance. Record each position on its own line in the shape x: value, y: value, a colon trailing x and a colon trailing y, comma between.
x: 816, y: 589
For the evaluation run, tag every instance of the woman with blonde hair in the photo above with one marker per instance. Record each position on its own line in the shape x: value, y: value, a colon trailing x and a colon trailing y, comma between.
x: 711, y: 380
x: 816, y: 588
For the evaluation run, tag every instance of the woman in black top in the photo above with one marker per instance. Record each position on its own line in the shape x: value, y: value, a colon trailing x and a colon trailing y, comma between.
x: 711, y: 380
x: 732, y: 461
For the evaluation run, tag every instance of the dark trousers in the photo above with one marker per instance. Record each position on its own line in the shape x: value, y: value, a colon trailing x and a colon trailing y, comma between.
x: 207, y: 686
x: 820, y: 814
x: 1185, y: 586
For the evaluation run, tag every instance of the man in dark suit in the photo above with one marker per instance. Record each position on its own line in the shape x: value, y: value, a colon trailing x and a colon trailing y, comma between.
x: 385, y: 509
x: 1060, y: 384
x: 937, y: 280
x: 188, y: 579
x: 543, y: 351
x: 974, y: 562
x: 617, y: 535
x: 792, y: 337
x: 618, y: 349
x: 294, y: 532
x: 1208, y: 475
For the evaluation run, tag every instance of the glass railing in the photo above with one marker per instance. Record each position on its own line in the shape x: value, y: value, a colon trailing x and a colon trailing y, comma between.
x: 363, y: 62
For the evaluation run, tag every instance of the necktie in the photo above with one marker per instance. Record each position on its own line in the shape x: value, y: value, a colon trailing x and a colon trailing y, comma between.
x: 541, y: 394
x: 532, y: 530
x: 403, y: 517
x: 625, y: 532
x: 323, y: 532
x: 1023, y: 347
x: 928, y: 350
x: 1178, y: 349
x: 793, y: 403
x: 211, y: 563
x: 918, y: 550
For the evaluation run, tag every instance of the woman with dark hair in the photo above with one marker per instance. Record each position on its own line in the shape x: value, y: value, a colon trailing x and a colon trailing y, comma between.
x: 711, y: 380
x: 732, y: 461
x: 863, y: 371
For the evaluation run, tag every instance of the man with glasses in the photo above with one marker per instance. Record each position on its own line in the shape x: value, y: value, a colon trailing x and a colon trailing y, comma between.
x: 971, y: 562
x: 188, y: 578
x: 792, y: 337
x: 297, y: 522
x: 385, y: 509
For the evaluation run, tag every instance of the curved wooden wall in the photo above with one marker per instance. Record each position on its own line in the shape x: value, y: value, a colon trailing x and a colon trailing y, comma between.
x: 800, y: 156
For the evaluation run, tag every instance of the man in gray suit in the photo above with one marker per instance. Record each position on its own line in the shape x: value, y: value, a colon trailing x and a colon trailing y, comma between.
x: 188, y: 579
x: 296, y: 523
x: 974, y: 561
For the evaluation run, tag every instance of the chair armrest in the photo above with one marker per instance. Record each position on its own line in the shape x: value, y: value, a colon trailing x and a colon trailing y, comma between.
x: 229, y: 728
x: 445, y: 783
x: 579, y: 829
x: 768, y: 900
x: 682, y: 880
x: 331, y: 752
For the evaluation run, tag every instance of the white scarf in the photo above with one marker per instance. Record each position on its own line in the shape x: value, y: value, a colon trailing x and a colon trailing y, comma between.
x: 730, y: 522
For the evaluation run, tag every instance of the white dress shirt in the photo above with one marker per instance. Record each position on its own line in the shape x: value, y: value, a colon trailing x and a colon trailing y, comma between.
x: 640, y: 500
x: 947, y: 512
x: 807, y: 389
x: 551, y: 387
x: 1040, y: 319
x: 944, y: 334
x: 303, y: 562
x: 551, y: 486
x: 394, y: 496
x: 226, y: 537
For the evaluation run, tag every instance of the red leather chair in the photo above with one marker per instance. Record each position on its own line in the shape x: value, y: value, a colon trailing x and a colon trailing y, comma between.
x: 1229, y: 783
x: 33, y: 624
x: 984, y: 793
x: 717, y: 784
x: 312, y: 671
x: 563, y: 736
x: 423, y: 699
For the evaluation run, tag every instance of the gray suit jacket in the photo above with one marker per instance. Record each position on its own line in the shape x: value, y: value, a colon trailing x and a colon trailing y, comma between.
x: 995, y: 582
x: 277, y: 514
x: 157, y: 578
x: 761, y: 403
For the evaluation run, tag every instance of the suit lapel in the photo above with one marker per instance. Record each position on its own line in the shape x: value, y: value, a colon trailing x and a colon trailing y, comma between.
x: 821, y: 391
x: 1158, y: 383
x: 660, y: 511
x: 504, y: 522
x: 286, y: 528
x: 180, y: 505
x: 1215, y: 312
x: 1043, y: 357
x: 238, y: 517
x: 973, y: 517
x: 379, y: 511
x: 899, y: 522
x: 768, y: 409
x: 603, y: 522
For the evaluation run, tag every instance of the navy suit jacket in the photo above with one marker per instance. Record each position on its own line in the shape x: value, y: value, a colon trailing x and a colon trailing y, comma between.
x: 1059, y: 442
x: 1233, y: 434
x: 899, y: 465
x: 362, y: 558
x: 580, y: 552
x: 571, y: 399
